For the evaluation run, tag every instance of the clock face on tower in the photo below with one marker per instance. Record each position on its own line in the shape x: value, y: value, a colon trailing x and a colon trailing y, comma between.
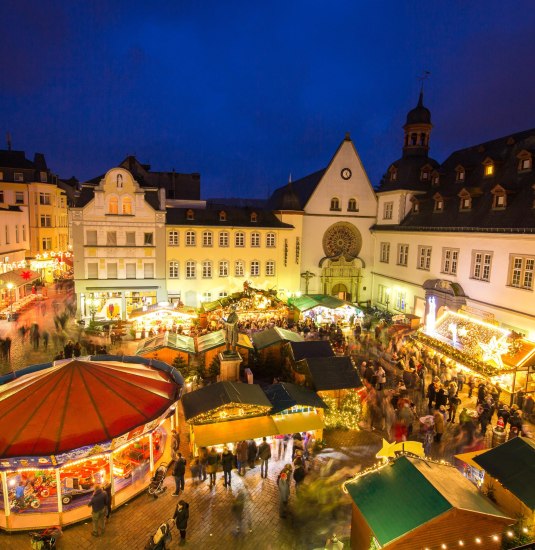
x: 345, y: 173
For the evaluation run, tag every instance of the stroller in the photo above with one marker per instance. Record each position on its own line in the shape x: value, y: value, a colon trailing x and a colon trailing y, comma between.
x: 45, y: 540
x: 162, y: 538
x: 156, y: 486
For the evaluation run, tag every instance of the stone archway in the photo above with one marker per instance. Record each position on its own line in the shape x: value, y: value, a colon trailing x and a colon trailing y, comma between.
x: 340, y: 290
x: 447, y: 295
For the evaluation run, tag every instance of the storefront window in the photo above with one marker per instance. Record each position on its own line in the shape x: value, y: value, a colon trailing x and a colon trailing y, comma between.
x: 32, y: 491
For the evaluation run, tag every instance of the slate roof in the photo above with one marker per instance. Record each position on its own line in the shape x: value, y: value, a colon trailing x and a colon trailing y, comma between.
x: 15, y: 159
x: 216, y: 339
x: 433, y: 488
x: 517, y: 217
x: 311, y: 348
x: 302, y: 188
x: 513, y: 465
x: 216, y: 395
x: 274, y: 335
x: 409, y: 169
x: 283, y: 396
x: 235, y: 217
x: 332, y: 373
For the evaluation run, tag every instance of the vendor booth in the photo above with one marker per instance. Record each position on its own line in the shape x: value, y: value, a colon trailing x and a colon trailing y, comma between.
x: 68, y: 425
x: 17, y: 291
x: 224, y: 413
x: 325, y: 310
x: 167, y: 347
x: 156, y: 318
x: 213, y: 343
x: 483, y: 349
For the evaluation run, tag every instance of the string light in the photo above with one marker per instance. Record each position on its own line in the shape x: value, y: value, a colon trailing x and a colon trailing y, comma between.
x: 478, y: 540
x: 346, y: 415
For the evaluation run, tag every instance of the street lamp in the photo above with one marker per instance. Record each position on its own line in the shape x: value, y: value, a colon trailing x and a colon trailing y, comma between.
x: 387, y: 298
x: 10, y: 288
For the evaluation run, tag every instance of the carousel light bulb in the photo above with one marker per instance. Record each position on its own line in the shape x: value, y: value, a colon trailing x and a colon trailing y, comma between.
x: 461, y: 543
x: 478, y: 540
x: 443, y: 546
x: 510, y: 534
x: 495, y: 538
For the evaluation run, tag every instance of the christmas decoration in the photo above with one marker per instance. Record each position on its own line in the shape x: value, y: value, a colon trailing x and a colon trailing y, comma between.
x: 346, y: 415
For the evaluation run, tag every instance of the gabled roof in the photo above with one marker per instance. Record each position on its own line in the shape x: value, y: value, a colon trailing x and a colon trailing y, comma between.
x: 513, y: 465
x: 87, y: 194
x: 310, y: 301
x: 433, y: 488
x: 216, y: 339
x: 216, y: 395
x: 177, y: 342
x: 274, y: 335
x: 283, y: 396
x: 311, y: 348
x: 332, y: 373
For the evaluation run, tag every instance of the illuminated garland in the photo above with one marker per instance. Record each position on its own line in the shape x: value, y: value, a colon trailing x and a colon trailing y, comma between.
x: 474, y: 364
x: 347, y: 415
x: 229, y: 412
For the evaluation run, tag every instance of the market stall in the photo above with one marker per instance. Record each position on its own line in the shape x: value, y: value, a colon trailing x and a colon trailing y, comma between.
x: 227, y: 412
x: 483, y: 349
x: 325, y: 310
x: 68, y: 425
x: 156, y: 318
x: 213, y: 343
x: 167, y: 346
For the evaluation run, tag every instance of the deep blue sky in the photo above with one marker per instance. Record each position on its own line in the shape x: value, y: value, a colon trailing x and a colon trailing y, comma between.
x: 247, y: 92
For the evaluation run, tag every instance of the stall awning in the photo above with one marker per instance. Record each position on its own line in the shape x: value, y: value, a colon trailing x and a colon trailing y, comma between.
x: 468, y: 458
x: 310, y: 301
x: 235, y: 430
x: 298, y: 422
x: 19, y: 277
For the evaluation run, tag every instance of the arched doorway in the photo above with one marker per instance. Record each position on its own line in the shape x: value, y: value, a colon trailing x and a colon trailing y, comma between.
x: 340, y: 291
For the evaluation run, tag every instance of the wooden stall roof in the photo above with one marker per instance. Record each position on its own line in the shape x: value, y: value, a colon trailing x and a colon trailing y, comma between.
x: 216, y: 339
x: 216, y: 395
x: 283, y: 396
x: 273, y: 336
x: 310, y: 301
x: 311, y: 348
x: 234, y: 430
x: 177, y: 342
x: 513, y: 465
x: 332, y: 373
x: 432, y: 489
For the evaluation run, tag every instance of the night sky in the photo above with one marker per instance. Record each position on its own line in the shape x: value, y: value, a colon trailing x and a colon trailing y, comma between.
x: 248, y: 92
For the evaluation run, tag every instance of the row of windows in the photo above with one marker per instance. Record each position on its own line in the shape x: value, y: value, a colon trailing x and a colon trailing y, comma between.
x: 18, y: 232
x: 124, y: 207
x: 206, y: 270
x: 207, y: 239
x: 91, y: 239
x: 520, y: 273
x: 111, y: 271
x: 45, y: 199
x: 352, y: 205
x: 19, y: 176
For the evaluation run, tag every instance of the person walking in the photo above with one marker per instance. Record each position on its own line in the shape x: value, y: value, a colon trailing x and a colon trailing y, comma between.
x: 211, y: 465
x: 203, y: 460
x: 251, y: 453
x: 284, y: 493
x: 99, y: 505
x: 181, y: 517
x: 46, y: 337
x: 227, y: 461
x: 299, y: 469
x: 264, y: 454
x: 438, y: 417
x: 179, y: 471
x: 175, y: 443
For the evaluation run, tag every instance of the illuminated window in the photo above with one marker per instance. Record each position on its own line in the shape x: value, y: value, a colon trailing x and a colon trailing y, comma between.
x: 416, y: 207
x: 113, y: 205
x: 127, y: 205
x: 254, y: 217
x: 439, y: 203
x: 461, y: 173
x: 239, y: 268
x: 190, y: 215
x: 222, y: 216
x: 489, y: 169
x: 525, y: 164
x: 466, y: 202
x: 393, y: 173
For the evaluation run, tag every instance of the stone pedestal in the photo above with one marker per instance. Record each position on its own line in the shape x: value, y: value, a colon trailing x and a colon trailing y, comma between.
x: 230, y: 362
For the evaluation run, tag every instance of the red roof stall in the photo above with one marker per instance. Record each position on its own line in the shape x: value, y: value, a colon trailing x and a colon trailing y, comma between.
x: 67, y: 425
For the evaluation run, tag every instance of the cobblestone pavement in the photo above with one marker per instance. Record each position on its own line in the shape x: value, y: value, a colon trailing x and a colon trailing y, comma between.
x: 214, y: 521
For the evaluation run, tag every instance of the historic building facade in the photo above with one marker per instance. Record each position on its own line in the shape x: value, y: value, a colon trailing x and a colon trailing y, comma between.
x: 118, y: 231
x: 462, y: 231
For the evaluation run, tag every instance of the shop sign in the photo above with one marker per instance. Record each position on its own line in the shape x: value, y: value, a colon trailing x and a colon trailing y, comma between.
x: 27, y: 462
x: 82, y: 452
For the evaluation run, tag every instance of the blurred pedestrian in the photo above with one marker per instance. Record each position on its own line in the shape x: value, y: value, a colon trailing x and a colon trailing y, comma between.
x: 227, y: 462
x: 46, y: 337
x: 181, y: 517
x: 211, y: 465
x: 264, y: 454
x: 251, y: 453
x: 284, y: 493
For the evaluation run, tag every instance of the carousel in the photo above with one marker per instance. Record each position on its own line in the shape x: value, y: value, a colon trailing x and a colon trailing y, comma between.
x: 69, y: 425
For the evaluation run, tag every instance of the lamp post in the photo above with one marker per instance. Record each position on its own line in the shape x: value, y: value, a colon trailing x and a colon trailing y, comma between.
x: 387, y: 298
x: 10, y: 288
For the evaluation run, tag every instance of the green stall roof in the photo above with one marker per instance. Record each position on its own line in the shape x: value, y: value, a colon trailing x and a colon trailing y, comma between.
x: 310, y: 301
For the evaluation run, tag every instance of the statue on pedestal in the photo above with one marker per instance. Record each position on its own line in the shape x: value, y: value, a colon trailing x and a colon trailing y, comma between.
x: 231, y: 332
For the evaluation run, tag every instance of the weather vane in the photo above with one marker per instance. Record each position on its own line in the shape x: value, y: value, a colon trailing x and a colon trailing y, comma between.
x: 423, y: 78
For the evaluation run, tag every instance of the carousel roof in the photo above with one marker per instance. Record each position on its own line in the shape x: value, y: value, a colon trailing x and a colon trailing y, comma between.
x: 74, y: 403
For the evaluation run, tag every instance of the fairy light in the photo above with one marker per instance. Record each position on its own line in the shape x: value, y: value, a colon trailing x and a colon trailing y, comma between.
x: 461, y: 543
x: 495, y: 538
x: 478, y: 540
x: 510, y: 534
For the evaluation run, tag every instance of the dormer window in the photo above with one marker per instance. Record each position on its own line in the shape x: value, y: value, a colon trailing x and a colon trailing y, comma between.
x: 435, y: 179
x: 461, y: 173
x: 393, y: 173
x: 488, y: 167
x: 222, y: 216
x: 466, y: 200
x: 499, y: 198
x: 190, y: 214
x: 335, y: 203
x: 416, y: 207
x: 524, y: 161
x: 425, y: 173
x: 439, y: 203
x: 254, y: 217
